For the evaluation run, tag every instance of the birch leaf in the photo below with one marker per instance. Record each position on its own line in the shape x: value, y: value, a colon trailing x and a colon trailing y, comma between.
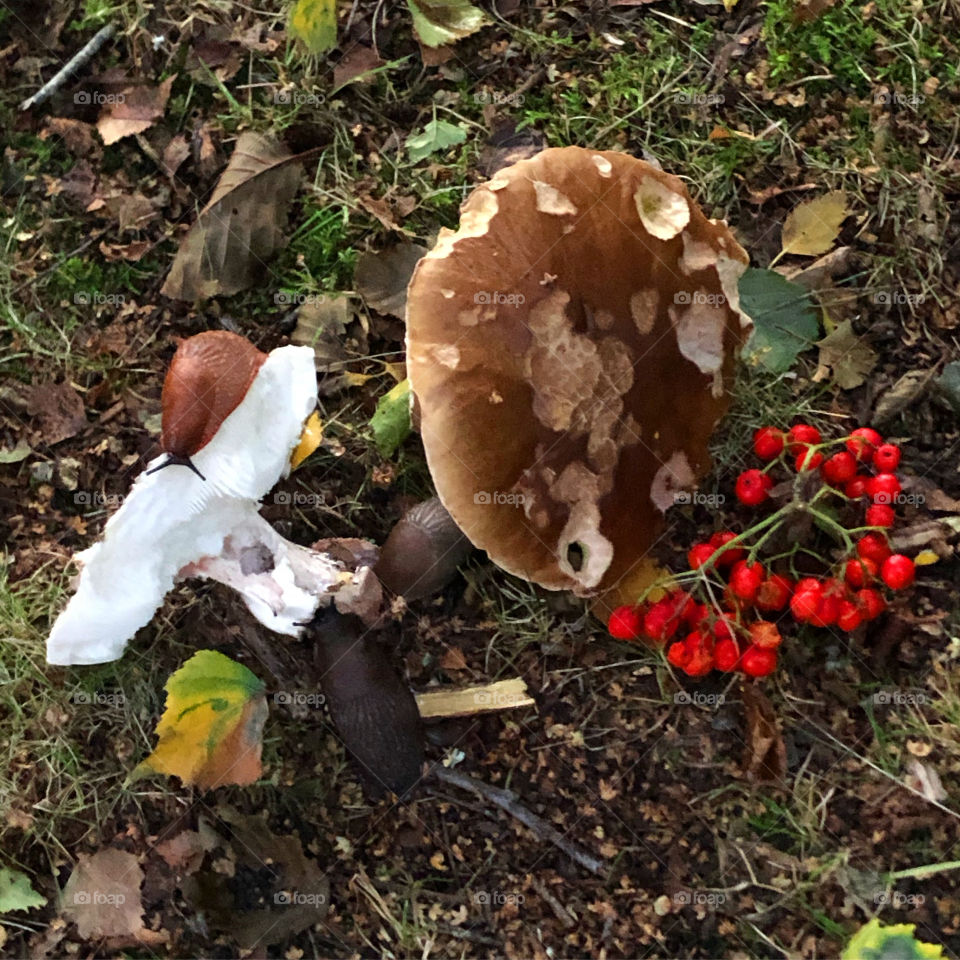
x: 812, y: 227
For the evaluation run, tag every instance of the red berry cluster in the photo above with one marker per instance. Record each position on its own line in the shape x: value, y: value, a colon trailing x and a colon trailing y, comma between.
x: 720, y: 633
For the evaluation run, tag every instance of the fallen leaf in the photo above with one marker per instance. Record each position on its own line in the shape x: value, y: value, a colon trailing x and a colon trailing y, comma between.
x: 438, y: 22
x: 79, y: 184
x: 806, y: 11
x: 906, y: 391
x: 437, y: 135
x: 507, y: 145
x: 184, y: 852
x: 391, y: 420
x: 310, y: 440
x: 175, y: 152
x: 812, y: 227
x: 765, y: 753
x: 211, y: 731
x: 815, y: 276
x: 59, y: 410
x: 845, y: 354
x: 924, y: 777
x: 381, y: 210
x: 322, y: 324
x: 102, y: 895
x: 132, y: 252
x: 77, y: 136
x: 16, y: 893
x: 241, y: 226
x: 314, y: 24
x: 137, y: 109
x: 784, y: 320
x: 356, y: 66
x: 453, y: 659
x: 14, y: 455
x: 382, y: 277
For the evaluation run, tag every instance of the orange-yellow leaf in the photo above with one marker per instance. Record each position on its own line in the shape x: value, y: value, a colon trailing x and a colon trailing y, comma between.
x: 211, y: 732
x: 309, y: 440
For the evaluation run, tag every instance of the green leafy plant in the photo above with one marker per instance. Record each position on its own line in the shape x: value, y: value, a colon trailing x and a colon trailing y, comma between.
x: 877, y: 942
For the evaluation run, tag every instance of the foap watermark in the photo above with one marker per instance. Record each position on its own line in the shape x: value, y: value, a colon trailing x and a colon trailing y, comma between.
x: 98, y: 699
x: 899, y: 900
x: 697, y: 499
x: 296, y: 498
x: 298, y: 898
x: 498, y: 498
x: 698, y: 298
x: 488, y: 698
x: 299, y: 98
x: 697, y: 699
x: 85, y: 97
x: 498, y: 298
x: 900, y: 499
x: 497, y: 898
x: 94, y: 498
x: 286, y: 298
x: 98, y: 897
x: 900, y: 698
x: 699, y: 897
x: 94, y: 298
x: 294, y: 698
x: 700, y: 99
x: 499, y: 99
x: 891, y: 297
x: 900, y: 99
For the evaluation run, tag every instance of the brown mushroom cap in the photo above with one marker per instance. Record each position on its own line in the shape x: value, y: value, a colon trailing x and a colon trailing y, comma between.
x: 569, y: 348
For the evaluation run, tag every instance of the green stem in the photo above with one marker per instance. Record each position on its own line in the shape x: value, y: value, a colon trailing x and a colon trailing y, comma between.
x: 928, y: 869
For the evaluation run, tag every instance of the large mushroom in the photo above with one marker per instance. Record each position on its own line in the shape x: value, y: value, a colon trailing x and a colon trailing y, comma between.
x: 231, y: 416
x: 570, y: 348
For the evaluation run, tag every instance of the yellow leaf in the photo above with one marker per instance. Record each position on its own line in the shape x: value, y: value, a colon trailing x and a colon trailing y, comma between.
x: 925, y: 557
x: 211, y: 732
x: 314, y: 23
x: 439, y: 22
x: 356, y: 379
x: 631, y: 586
x: 812, y: 227
x: 310, y: 439
x: 728, y: 5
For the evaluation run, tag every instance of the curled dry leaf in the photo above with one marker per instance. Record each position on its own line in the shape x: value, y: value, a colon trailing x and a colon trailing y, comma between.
x: 135, y: 110
x: 765, y: 753
x: 242, y: 225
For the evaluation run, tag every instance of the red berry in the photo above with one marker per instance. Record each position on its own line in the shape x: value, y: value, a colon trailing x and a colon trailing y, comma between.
x: 745, y: 580
x: 870, y: 603
x: 873, y: 546
x: 768, y: 443
x: 839, y: 468
x: 801, y: 436
x: 828, y: 609
x: 886, y: 458
x: 700, y: 649
x: 774, y: 592
x: 857, y: 487
x: 765, y: 635
x: 752, y: 487
x: 808, y: 459
x: 757, y: 662
x: 862, y: 442
x: 729, y: 556
x: 880, y: 515
x: 699, y: 554
x: 677, y: 655
x: 849, y: 617
x: 694, y: 614
x: 726, y: 654
x: 806, y: 599
x: 883, y: 488
x: 898, y: 571
x: 860, y: 572
x: 661, y: 621
x: 723, y: 629
x: 626, y: 622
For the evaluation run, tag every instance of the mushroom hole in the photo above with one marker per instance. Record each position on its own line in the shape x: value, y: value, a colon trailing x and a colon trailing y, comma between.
x: 576, y: 555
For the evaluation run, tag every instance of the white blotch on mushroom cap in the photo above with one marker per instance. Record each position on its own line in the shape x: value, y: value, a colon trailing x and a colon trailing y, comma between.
x: 663, y: 211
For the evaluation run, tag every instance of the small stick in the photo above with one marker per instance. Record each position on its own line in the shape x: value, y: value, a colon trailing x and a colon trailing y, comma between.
x: 77, y: 62
x: 507, y: 800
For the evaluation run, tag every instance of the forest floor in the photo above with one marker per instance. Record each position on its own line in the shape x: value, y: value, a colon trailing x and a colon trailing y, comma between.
x: 758, y: 109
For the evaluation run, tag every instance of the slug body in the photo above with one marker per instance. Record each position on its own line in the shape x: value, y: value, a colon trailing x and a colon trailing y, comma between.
x: 208, y: 378
x: 422, y: 552
x: 373, y: 710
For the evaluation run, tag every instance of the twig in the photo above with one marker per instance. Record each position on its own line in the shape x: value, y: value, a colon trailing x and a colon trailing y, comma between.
x: 559, y: 910
x: 77, y: 62
x: 507, y: 800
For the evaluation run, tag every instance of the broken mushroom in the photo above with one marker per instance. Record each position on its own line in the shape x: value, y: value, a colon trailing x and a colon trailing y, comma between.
x: 570, y: 349
x: 206, y: 522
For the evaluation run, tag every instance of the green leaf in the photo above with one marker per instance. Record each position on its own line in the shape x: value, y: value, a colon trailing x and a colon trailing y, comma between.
x: 437, y: 22
x: 785, y: 319
x: 314, y: 23
x: 15, y: 454
x: 16, y: 892
x: 877, y: 942
x: 437, y: 135
x: 391, y: 420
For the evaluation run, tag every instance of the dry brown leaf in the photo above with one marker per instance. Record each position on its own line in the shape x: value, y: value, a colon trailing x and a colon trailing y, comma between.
x: 138, y: 110
x: 176, y: 151
x: 184, y: 852
x: 242, y: 225
x: 358, y: 60
x: 765, y: 753
x: 381, y: 278
x: 322, y: 324
x: 102, y: 895
x: 453, y: 659
x: 77, y: 136
x: 59, y: 410
x: 846, y: 355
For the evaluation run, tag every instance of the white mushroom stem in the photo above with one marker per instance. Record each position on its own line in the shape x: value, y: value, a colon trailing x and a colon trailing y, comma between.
x: 173, y: 523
